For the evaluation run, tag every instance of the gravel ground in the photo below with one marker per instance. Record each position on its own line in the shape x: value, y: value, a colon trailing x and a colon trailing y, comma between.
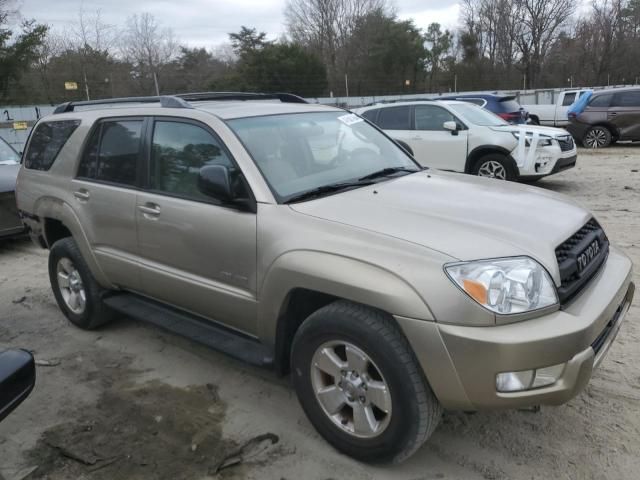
x: 130, y: 401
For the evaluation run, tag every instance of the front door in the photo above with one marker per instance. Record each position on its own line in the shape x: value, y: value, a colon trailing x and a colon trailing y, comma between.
x: 196, y: 253
x: 432, y: 144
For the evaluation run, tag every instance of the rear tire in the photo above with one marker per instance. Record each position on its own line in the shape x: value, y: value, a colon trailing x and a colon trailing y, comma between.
x: 78, y: 294
x: 375, y: 405
x: 495, y: 165
x: 597, y: 137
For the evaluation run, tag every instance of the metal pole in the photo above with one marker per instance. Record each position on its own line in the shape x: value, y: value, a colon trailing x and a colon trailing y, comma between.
x: 524, y: 82
x: 86, y: 85
x: 155, y: 81
x: 346, y: 84
x: 455, y: 82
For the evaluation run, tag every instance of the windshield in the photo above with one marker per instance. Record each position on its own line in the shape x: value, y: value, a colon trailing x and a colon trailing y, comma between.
x: 300, y: 152
x: 8, y: 155
x: 477, y: 115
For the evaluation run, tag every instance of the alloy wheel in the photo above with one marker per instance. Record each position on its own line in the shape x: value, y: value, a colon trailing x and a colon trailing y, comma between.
x: 595, y: 138
x: 351, y: 389
x: 492, y: 169
x: 71, y: 286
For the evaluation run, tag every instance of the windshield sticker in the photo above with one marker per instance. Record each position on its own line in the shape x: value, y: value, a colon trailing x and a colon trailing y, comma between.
x: 350, y: 119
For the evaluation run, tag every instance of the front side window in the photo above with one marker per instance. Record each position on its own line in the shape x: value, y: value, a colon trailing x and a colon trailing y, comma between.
x: 626, y: 99
x: 430, y: 117
x: 297, y: 153
x: 113, y: 152
x: 395, y: 118
x: 179, y: 151
x: 47, y: 141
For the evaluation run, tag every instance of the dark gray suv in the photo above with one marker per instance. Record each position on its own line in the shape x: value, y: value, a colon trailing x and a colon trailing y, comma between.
x: 610, y: 115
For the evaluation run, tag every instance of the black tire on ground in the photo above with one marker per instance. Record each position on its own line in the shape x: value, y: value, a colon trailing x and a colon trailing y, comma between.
x: 490, y: 162
x: 597, y: 137
x: 415, y: 411
x: 95, y: 313
x: 534, y: 120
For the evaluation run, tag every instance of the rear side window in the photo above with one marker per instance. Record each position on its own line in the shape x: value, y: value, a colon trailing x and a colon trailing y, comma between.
x: 601, y: 100
x: 46, y: 142
x: 626, y: 99
x: 394, y: 118
x: 568, y: 99
x: 113, y: 152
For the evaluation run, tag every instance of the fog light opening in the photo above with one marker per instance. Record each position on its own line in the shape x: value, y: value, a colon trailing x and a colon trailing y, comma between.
x: 528, y: 379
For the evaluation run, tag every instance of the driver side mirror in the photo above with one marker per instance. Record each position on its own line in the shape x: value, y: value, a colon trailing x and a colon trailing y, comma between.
x: 17, y: 378
x: 451, y: 126
x: 215, y: 181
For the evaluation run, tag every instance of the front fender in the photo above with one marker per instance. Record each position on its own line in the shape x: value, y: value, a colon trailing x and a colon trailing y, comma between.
x: 335, y: 275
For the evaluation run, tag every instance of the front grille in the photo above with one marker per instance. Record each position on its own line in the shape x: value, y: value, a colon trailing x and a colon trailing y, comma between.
x: 572, y: 278
x: 566, y: 143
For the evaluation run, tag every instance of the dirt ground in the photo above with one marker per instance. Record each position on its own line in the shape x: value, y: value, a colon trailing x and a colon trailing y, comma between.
x: 131, y: 401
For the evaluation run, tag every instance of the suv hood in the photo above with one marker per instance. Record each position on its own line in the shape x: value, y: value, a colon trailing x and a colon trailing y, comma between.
x: 548, y: 131
x: 459, y: 215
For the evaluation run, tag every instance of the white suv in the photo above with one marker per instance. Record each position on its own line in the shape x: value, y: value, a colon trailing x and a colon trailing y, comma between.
x: 462, y: 137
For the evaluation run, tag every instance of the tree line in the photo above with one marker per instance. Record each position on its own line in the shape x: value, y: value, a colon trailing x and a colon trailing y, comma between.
x: 331, y: 47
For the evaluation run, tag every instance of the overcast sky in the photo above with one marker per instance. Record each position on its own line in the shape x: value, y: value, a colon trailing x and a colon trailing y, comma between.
x: 206, y: 23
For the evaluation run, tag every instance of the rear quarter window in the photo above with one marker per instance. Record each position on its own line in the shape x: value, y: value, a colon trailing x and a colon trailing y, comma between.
x: 46, y: 142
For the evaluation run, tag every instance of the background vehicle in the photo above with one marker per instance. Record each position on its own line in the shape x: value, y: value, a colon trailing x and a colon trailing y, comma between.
x: 461, y: 137
x: 10, y: 222
x: 17, y: 379
x: 610, y: 115
x: 554, y: 115
x: 505, y: 106
x: 364, y: 276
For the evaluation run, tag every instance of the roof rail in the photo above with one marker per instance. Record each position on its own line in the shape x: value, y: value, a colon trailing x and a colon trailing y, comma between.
x: 165, y: 101
x: 229, y: 96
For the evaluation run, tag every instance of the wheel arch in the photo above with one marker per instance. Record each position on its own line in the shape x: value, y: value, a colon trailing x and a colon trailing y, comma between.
x: 301, y: 282
x: 482, y: 150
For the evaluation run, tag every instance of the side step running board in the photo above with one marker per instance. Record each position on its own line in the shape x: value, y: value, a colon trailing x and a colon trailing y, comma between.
x: 197, y: 329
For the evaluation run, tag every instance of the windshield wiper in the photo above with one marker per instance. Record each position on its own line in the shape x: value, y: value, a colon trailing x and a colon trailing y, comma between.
x: 331, y: 188
x: 385, y: 172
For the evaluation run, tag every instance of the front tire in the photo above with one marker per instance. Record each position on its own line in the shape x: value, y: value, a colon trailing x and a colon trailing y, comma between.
x: 360, y: 384
x: 74, y: 288
x: 597, y: 137
x: 495, y: 165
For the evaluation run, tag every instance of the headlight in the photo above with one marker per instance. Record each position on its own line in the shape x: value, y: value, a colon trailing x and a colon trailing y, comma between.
x: 509, y: 285
x: 543, y: 140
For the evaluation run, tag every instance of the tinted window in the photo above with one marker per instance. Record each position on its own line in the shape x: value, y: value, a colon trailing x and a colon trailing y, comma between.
x: 179, y: 151
x: 370, y: 115
x: 47, y: 141
x: 601, y: 100
x: 394, y: 118
x: 509, y: 106
x: 568, y: 99
x: 112, y: 153
x: 429, y: 117
x: 626, y: 99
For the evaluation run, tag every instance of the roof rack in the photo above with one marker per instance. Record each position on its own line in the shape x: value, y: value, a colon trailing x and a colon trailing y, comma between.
x: 229, y: 96
x: 165, y: 101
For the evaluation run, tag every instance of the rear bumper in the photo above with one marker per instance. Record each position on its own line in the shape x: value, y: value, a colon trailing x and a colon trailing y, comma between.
x: 461, y: 363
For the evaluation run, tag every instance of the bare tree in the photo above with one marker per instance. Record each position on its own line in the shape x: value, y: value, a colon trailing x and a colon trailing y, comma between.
x: 325, y: 26
x: 149, y: 48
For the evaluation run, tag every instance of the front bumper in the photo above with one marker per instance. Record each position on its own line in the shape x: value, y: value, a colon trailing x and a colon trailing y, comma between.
x: 461, y: 362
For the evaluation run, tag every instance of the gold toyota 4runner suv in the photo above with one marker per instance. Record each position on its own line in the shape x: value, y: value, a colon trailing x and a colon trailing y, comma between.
x: 301, y: 237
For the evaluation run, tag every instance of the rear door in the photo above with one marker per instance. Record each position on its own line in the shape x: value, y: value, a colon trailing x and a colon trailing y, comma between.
x: 105, y: 190
x: 432, y: 144
x: 625, y: 114
x: 196, y: 253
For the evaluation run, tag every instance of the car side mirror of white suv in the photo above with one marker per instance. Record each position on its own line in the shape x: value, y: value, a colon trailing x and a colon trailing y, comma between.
x: 451, y: 126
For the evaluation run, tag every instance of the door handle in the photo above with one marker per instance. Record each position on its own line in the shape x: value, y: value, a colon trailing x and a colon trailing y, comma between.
x: 82, y: 195
x: 612, y: 114
x: 150, y: 210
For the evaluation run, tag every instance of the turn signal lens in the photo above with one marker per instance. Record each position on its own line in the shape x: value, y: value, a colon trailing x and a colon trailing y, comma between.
x: 476, y: 290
